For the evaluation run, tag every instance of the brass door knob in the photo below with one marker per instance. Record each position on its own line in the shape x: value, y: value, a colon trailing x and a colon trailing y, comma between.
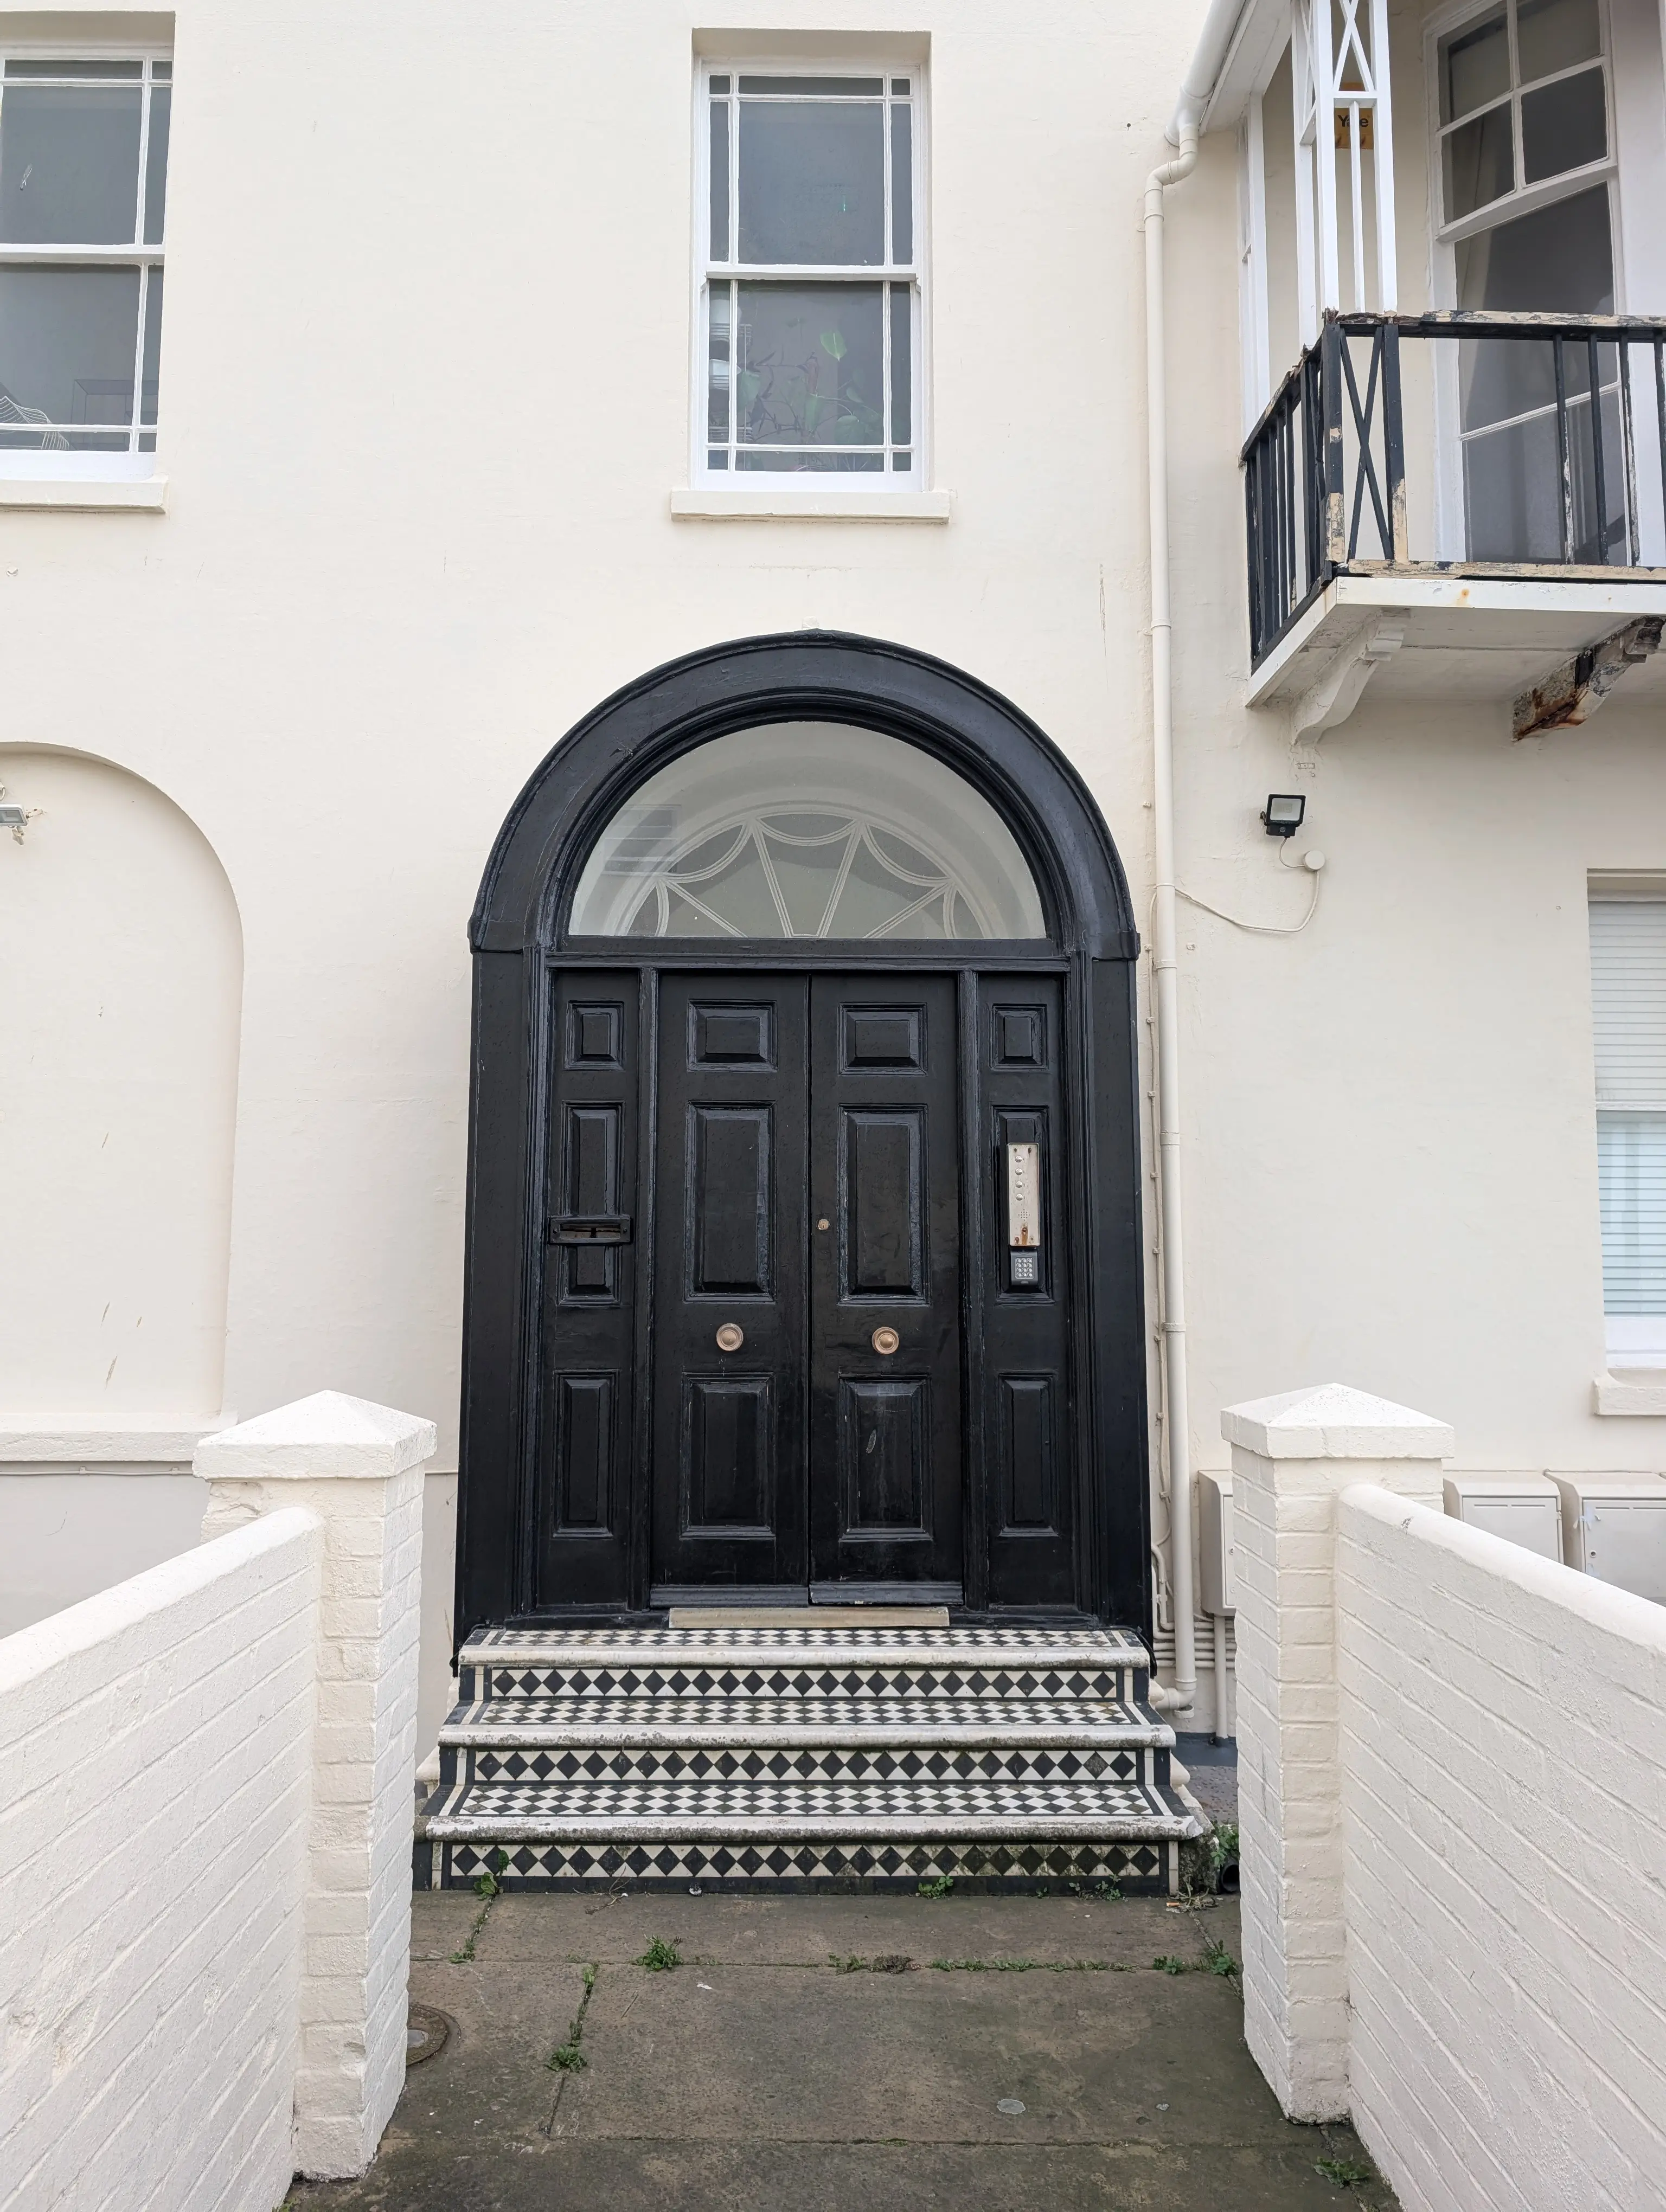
x: 730, y: 1336
x: 884, y: 1341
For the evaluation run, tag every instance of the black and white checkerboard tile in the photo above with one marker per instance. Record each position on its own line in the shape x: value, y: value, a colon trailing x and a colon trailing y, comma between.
x: 803, y: 1756
x: 853, y: 1863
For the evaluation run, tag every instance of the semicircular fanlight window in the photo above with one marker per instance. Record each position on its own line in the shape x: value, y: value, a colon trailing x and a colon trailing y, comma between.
x: 807, y: 830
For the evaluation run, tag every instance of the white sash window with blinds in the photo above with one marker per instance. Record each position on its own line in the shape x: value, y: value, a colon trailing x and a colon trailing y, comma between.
x: 1628, y: 988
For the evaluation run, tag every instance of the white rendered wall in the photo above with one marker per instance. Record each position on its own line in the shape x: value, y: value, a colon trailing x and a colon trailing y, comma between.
x: 1505, y: 1881
x: 120, y: 988
x: 156, y: 1742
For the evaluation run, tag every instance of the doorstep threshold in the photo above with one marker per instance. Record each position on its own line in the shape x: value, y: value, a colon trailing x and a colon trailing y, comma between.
x: 808, y: 1616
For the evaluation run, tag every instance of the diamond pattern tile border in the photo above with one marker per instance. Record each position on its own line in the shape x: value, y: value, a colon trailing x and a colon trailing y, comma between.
x: 847, y: 1865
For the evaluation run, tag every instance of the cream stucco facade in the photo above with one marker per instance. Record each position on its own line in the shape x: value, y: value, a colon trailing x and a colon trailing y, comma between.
x: 424, y: 409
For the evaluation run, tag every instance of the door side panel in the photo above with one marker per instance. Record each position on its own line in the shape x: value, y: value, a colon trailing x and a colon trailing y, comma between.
x: 586, y: 1402
x: 886, y: 1470
x: 1025, y: 1329
x: 729, y: 1442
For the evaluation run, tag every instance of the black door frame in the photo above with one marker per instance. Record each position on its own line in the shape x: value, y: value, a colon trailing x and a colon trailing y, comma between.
x: 518, y: 936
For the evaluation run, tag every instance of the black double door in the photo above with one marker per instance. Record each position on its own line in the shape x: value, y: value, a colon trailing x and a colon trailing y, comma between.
x: 806, y: 1375
x: 754, y: 1184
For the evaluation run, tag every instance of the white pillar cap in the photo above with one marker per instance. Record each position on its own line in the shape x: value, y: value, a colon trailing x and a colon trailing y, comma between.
x: 327, y: 1435
x: 1331, y: 1421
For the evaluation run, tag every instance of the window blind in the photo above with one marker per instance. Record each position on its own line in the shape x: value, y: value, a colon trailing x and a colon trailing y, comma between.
x: 1628, y: 996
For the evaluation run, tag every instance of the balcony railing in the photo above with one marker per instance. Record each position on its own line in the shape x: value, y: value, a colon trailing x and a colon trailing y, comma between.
x: 1538, y: 443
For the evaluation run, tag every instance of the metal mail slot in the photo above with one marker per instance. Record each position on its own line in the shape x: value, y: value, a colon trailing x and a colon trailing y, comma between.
x: 590, y: 1229
x: 1023, y: 1217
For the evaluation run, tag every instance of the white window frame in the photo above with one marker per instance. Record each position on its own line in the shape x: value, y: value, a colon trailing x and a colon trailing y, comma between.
x: 138, y: 461
x: 816, y: 488
x: 1451, y: 532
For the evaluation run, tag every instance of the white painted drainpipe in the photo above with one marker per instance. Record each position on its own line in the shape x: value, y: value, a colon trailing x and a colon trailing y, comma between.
x: 1213, y: 42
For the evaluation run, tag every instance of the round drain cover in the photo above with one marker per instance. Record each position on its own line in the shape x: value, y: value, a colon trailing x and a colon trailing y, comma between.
x: 426, y: 2033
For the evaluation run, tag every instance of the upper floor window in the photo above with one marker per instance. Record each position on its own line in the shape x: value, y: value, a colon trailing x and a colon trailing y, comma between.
x: 809, y: 230
x: 83, y: 181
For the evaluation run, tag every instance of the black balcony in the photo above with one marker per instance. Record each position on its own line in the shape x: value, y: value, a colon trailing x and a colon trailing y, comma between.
x: 1538, y: 449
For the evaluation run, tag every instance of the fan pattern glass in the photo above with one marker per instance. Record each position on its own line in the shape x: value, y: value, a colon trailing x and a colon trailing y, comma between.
x: 811, y: 873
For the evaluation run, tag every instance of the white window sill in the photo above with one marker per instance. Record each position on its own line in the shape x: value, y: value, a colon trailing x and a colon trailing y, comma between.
x: 87, y: 494
x: 1633, y: 1390
x: 767, y: 503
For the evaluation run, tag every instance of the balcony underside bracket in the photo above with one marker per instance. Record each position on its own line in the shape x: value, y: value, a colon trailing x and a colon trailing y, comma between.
x: 1571, y: 694
x: 1328, y: 701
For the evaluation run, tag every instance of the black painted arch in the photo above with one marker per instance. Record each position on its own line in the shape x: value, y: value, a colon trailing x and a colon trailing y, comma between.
x: 804, y: 675
x: 517, y: 932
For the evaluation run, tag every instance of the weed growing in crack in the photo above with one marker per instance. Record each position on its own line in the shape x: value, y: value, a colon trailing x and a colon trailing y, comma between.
x: 1105, y: 1891
x: 888, y: 1962
x: 660, y: 1956
x: 1345, y: 2172
x: 1168, y: 1965
x: 1218, y: 1959
x: 943, y: 1886
x: 488, y: 1889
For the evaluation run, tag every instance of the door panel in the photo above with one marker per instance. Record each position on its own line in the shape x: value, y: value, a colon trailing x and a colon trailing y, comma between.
x: 885, y: 1426
x: 730, y: 1158
x: 583, y: 1448
x: 1027, y: 1386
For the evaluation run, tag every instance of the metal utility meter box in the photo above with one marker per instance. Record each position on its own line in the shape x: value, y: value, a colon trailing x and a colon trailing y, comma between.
x: 1215, y: 1533
x: 1614, y: 1528
x: 1523, y: 1508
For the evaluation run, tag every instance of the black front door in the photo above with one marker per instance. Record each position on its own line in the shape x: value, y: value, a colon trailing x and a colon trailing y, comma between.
x: 806, y: 1394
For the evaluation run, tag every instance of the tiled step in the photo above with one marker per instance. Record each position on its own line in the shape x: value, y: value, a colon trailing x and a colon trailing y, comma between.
x: 804, y: 1753
x: 945, y: 1755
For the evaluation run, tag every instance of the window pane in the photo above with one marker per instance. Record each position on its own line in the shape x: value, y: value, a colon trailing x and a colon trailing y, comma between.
x: 1479, y: 160
x: 809, y: 365
x: 852, y: 88
x: 720, y: 159
x: 807, y: 830
x: 155, y: 165
x: 69, y: 165
x: 1513, y: 486
x: 902, y: 184
x: 718, y: 314
x: 1564, y: 125
x: 813, y: 182
x: 67, y: 342
x: 79, y: 69
x: 1630, y: 1164
x: 1554, y: 34
x: 153, y: 345
x: 812, y: 460
x: 1559, y: 257
x: 902, y: 365
x: 1474, y: 66
x: 720, y: 84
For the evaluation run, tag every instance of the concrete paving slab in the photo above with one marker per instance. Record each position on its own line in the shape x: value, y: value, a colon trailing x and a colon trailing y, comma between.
x: 441, y: 1920
x: 742, y: 2086
x: 784, y: 1929
x: 782, y: 2054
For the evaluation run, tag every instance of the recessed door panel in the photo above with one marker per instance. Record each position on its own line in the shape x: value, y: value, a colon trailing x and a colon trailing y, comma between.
x: 884, y: 1458
x: 729, y: 1442
x: 732, y: 1200
x: 883, y: 1201
x: 590, y: 1149
x: 1028, y: 1457
x: 584, y: 1451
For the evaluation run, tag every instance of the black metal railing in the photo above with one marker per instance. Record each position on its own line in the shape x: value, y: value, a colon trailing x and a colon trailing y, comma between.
x: 1536, y: 451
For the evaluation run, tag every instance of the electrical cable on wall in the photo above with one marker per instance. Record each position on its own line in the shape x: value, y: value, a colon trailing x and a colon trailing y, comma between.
x: 1312, y: 861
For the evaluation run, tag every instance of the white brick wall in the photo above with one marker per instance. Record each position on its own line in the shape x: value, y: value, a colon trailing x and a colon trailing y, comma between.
x: 1503, y: 1767
x: 155, y: 1796
x: 205, y: 1837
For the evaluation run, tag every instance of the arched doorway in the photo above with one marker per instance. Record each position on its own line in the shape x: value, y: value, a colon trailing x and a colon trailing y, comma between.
x: 804, y: 1251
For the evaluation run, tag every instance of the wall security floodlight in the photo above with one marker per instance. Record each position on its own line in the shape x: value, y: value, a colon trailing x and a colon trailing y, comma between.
x: 1282, y: 815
